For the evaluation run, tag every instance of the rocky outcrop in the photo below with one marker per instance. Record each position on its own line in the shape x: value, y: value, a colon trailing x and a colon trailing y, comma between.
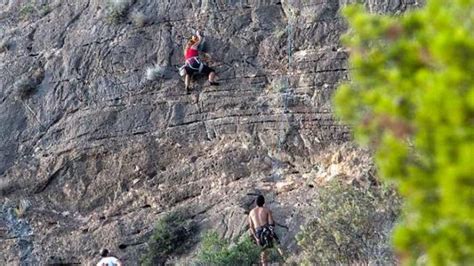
x: 100, y: 152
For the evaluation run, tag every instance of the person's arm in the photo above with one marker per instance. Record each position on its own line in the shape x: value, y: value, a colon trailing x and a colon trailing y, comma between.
x: 270, y: 218
x: 204, y: 57
x: 252, y: 228
x: 198, y: 42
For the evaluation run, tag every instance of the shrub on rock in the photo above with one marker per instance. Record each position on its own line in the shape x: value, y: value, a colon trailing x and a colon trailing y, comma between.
x: 217, y: 251
x: 411, y: 98
x: 117, y: 10
x: 171, y: 236
x: 352, y: 226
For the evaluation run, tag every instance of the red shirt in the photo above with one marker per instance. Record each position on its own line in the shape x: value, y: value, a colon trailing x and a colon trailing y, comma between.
x: 191, y: 52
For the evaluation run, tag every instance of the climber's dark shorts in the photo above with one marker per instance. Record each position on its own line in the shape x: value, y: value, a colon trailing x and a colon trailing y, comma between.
x: 266, y: 236
x: 205, y: 70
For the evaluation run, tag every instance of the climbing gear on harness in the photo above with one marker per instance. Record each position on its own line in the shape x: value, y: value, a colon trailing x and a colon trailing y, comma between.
x: 193, y: 61
x: 192, y: 64
x: 182, y: 70
x: 266, y: 236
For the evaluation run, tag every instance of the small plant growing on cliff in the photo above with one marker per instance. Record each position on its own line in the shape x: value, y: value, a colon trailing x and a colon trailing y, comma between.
x: 30, y: 10
x: 279, y: 33
x: 25, y: 87
x: 352, y: 226
x: 45, y: 10
x: 27, y: 10
x: 155, y: 72
x: 217, y: 251
x: 139, y: 19
x: 4, y: 46
x: 411, y: 98
x: 22, y: 208
x: 171, y: 236
x: 279, y: 85
x: 117, y: 10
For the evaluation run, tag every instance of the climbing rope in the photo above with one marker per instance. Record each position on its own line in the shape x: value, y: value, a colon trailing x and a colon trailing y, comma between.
x: 286, y: 94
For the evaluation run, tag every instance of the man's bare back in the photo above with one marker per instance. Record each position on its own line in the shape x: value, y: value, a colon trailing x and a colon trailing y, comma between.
x: 260, y: 216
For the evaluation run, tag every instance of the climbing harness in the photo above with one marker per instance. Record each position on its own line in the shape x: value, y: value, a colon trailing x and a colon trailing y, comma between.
x: 189, y: 63
x: 194, y: 60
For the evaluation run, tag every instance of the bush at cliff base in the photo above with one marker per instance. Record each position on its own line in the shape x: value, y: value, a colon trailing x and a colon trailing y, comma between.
x: 352, y: 226
x: 411, y: 98
x: 172, y: 236
x: 217, y: 251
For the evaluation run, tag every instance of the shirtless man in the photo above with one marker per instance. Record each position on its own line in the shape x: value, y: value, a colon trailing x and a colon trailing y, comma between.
x: 261, y: 225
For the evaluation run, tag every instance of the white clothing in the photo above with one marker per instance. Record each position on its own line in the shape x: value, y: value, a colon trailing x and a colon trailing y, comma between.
x: 108, y: 261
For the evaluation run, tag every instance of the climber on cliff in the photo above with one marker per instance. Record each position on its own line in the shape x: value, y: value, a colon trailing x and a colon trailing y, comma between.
x: 193, y: 65
x: 262, y: 228
x: 108, y: 260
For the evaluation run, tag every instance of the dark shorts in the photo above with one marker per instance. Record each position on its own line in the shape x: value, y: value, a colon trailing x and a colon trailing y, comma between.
x: 266, y: 236
x: 195, y: 70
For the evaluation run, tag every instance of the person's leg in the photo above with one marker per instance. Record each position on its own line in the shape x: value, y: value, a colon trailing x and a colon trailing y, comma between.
x: 263, y: 257
x: 212, y: 79
x: 212, y: 76
x: 187, y: 81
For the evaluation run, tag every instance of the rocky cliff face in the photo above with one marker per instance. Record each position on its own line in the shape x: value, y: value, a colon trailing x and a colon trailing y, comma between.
x: 93, y: 152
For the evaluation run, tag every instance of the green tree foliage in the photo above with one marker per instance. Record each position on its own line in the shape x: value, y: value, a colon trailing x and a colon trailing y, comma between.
x: 172, y: 236
x: 217, y: 251
x: 412, y: 99
x: 353, y: 226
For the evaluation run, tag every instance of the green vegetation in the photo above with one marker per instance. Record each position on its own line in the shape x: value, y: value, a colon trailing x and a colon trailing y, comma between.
x: 22, y: 208
x: 4, y: 46
x: 25, y: 87
x: 217, y: 251
x: 172, y: 236
x: 139, y: 19
x: 155, y: 72
x: 27, y: 10
x: 412, y: 99
x: 279, y: 33
x: 117, y: 10
x: 279, y: 84
x: 353, y: 226
x: 30, y: 10
x: 45, y: 10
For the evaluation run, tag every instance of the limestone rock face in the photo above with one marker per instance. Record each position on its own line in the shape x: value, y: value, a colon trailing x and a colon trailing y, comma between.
x: 93, y: 152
